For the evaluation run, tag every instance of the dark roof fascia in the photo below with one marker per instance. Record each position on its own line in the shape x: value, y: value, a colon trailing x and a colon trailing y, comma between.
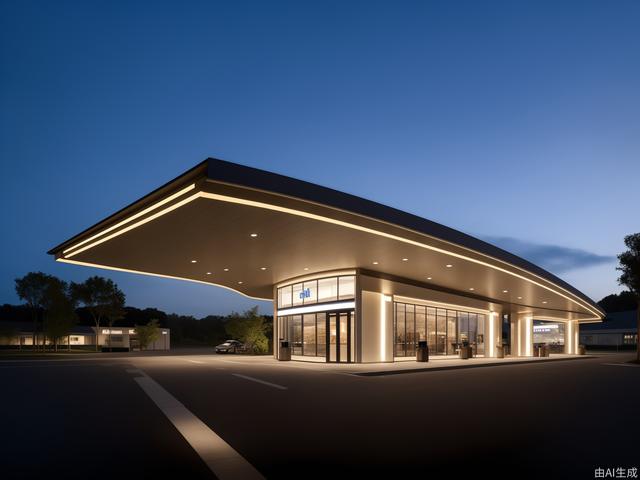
x: 199, y: 171
x: 233, y: 173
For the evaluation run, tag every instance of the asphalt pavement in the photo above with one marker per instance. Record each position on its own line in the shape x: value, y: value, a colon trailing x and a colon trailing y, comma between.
x: 92, y: 417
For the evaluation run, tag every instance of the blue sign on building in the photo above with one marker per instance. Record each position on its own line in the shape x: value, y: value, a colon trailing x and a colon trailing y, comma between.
x: 306, y: 293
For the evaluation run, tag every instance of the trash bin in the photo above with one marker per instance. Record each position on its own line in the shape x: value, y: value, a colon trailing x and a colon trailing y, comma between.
x: 465, y: 351
x: 422, y: 353
x: 285, y: 351
x: 499, y: 351
x: 544, y: 352
x: 582, y: 350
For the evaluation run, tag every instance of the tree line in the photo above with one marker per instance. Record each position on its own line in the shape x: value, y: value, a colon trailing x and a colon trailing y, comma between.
x: 54, y: 307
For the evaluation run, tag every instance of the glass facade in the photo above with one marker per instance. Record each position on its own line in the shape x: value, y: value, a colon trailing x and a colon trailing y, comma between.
x: 445, y: 330
x: 311, y: 334
x: 321, y: 290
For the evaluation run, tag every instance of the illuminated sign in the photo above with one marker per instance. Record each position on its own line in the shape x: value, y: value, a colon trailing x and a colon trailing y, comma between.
x: 306, y: 293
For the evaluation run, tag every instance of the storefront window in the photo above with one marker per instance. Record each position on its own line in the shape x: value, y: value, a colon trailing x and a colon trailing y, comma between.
x: 452, y: 332
x: 346, y: 287
x: 328, y: 289
x: 284, y: 297
x: 310, y: 292
x: 296, y: 334
x: 443, y: 329
x: 298, y: 296
x: 400, y: 330
x: 431, y: 329
x: 309, y: 334
x: 421, y: 325
x: 323, y: 290
x: 410, y: 331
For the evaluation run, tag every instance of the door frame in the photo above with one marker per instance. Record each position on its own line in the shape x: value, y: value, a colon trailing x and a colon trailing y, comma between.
x: 350, y: 319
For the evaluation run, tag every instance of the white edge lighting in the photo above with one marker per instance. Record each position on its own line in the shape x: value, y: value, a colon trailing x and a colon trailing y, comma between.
x: 117, y: 269
x: 313, y: 216
x: 324, y: 307
x: 133, y: 217
x: 528, y: 324
x: 384, y: 299
x: 291, y: 211
x: 491, y: 334
x: 135, y: 225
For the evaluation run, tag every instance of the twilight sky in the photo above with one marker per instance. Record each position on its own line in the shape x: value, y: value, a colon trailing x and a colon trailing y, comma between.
x: 513, y: 121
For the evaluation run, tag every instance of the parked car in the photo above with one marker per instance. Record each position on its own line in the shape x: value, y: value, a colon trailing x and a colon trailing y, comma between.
x: 230, y: 346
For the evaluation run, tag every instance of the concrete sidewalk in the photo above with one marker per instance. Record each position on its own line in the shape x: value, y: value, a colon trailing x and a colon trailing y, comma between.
x: 403, y: 366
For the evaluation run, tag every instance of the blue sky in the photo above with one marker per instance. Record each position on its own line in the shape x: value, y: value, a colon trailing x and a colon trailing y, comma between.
x: 513, y: 121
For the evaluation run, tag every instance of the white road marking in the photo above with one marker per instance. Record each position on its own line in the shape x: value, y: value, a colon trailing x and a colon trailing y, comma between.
x: 621, y: 365
x: 219, y: 456
x: 194, y: 361
x: 257, y: 380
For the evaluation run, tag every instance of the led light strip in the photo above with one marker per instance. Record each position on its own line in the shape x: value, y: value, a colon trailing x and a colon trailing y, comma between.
x: 132, y: 217
x: 299, y: 213
x: 136, y: 225
x: 430, y: 303
x: 326, y: 307
x: 118, y: 269
x: 313, y: 216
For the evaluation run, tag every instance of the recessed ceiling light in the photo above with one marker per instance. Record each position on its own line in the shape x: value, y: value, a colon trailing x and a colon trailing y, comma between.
x: 375, y: 263
x: 263, y: 268
x: 472, y: 289
x: 448, y: 265
x: 306, y: 268
x: 405, y: 259
x: 194, y: 261
x: 544, y: 301
x: 239, y: 283
x: 254, y: 235
x: 519, y: 298
x: 505, y: 291
x: 208, y: 273
x: 226, y: 269
x: 428, y: 278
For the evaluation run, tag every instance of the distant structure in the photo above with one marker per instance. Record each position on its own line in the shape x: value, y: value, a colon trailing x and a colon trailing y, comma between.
x: 114, y: 338
x: 618, y: 331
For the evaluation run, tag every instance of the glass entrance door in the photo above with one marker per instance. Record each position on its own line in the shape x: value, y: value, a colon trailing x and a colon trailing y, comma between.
x: 340, y: 337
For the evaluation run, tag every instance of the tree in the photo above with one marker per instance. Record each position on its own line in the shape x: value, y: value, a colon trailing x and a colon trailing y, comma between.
x: 630, y: 276
x: 60, y: 315
x: 251, y: 329
x: 102, y: 297
x: 147, y: 334
x: 32, y: 289
x: 619, y: 302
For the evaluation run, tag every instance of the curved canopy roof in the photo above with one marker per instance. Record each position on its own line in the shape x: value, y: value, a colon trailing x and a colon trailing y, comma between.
x: 246, y: 229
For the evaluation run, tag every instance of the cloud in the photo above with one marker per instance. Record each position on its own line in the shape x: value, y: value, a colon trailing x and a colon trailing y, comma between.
x: 555, y: 258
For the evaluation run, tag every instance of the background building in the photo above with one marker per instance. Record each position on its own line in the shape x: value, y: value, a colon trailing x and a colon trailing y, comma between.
x: 18, y: 334
x: 619, y: 331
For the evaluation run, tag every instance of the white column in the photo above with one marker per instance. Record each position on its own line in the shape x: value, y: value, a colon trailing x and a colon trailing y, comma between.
x: 376, y: 316
x: 522, y: 335
x: 276, y: 325
x: 571, y: 337
x: 493, y: 331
